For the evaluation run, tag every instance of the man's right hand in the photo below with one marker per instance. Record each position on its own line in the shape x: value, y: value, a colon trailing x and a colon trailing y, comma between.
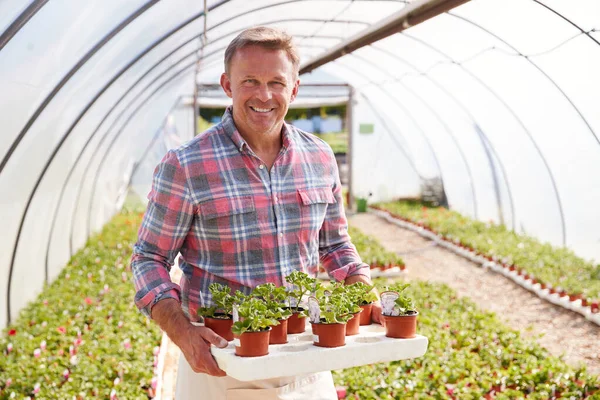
x: 194, y: 341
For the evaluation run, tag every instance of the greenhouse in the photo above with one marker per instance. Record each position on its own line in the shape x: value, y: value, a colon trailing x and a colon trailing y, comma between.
x: 464, y: 135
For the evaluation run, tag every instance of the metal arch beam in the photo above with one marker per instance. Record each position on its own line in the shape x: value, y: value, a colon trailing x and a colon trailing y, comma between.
x: 446, y: 128
x: 69, y: 75
x: 466, y: 110
x: 411, y: 15
x: 186, y: 68
x: 399, y: 104
x: 20, y: 21
x: 567, y: 20
x: 539, y: 151
x: 153, y: 141
x: 39, y: 110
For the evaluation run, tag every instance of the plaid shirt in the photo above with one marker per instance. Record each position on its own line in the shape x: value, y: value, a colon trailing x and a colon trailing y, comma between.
x: 237, y: 223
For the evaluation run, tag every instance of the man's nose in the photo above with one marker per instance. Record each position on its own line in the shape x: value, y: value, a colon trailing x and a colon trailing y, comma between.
x: 264, y: 93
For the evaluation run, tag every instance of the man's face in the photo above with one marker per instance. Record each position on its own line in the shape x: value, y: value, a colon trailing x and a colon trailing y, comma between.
x: 262, y: 85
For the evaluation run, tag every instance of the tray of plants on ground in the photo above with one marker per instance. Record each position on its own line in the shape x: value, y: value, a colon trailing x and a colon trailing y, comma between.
x: 276, y: 333
x: 553, y: 269
x: 83, y: 336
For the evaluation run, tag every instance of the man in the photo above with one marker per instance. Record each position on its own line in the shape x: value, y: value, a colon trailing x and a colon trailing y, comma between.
x: 245, y: 203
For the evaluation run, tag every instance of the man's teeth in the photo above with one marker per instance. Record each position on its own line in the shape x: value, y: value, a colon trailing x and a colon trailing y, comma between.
x: 262, y: 110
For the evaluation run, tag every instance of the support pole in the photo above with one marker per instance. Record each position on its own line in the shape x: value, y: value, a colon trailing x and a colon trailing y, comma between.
x: 350, y: 129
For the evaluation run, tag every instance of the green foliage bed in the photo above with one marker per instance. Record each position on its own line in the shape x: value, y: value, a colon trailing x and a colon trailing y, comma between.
x: 372, y: 252
x: 83, y: 336
x: 471, y: 353
x: 555, y: 266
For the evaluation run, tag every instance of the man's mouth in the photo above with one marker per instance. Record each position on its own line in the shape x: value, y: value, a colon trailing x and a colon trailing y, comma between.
x: 261, y: 110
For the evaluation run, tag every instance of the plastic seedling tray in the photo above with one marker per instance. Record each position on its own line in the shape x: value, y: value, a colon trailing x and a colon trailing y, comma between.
x: 300, y: 356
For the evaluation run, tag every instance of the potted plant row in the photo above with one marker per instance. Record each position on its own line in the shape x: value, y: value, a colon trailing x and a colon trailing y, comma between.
x: 269, y: 313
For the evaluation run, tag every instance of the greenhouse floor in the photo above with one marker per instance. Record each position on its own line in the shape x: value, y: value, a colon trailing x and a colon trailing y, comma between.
x: 561, y: 332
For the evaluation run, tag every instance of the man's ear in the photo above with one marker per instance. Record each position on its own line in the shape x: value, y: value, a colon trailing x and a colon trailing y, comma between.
x: 226, y: 84
x: 295, y: 90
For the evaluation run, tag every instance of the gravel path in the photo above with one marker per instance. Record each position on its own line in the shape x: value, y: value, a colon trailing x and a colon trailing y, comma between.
x: 561, y: 332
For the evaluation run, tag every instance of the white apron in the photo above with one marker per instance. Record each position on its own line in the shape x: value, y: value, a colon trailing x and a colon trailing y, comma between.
x: 193, y: 386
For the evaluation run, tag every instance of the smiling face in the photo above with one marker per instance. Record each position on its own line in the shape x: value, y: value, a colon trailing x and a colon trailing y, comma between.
x: 262, y: 84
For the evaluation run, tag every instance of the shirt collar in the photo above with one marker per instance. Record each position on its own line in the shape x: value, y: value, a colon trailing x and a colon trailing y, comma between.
x: 238, y: 140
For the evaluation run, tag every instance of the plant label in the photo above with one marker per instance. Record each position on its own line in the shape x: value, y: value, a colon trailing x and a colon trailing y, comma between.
x: 235, y: 313
x: 314, y: 312
x: 236, y: 342
x: 316, y: 338
x: 388, y: 301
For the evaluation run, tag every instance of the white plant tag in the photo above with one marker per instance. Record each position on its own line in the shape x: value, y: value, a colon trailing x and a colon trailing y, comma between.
x: 388, y: 301
x: 236, y: 342
x: 314, y: 312
x: 235, y: 314
x: 316, y: 338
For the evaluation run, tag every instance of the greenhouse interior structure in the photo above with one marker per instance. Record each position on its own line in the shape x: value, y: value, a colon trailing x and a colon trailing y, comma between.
x: 468, y: 133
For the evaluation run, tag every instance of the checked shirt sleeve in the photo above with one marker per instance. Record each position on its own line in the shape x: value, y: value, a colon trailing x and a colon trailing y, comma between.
x: 162, y: 233
x: 338, y: 255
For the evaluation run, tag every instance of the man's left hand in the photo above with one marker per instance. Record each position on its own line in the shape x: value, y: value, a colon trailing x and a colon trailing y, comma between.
x: 376, y: 310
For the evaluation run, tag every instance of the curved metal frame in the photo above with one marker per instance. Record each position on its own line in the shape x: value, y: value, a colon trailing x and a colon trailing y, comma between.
x: 448, y: 130
x: 148, y: 5
x: 466, y: 110
x: 20, y: 22
x: 39, y: 110
x: 69, y: 75
x: 552, y: 179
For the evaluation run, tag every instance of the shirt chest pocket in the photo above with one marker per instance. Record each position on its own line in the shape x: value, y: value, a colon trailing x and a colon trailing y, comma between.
x: 230, y: 216
x: 313, y: 205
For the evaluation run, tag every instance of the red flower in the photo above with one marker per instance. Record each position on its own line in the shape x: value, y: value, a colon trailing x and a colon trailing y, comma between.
x: 88, y: 300
x: 61, y: 329
x: 12, y: 332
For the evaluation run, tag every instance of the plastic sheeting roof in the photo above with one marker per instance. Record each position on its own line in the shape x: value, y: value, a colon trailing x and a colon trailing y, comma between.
x: 497, y: 98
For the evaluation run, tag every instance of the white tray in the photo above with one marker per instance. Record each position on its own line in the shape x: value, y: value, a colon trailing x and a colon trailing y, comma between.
x: 300, y: 356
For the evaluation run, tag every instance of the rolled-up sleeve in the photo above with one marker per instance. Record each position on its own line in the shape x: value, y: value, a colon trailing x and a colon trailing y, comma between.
x: 164, y: 228
x: 337, y: 253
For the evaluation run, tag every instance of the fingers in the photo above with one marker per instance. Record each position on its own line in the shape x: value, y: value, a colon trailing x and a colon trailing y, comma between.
x: 212, y: 338
x: 376, y: 315
x: 210, y: 365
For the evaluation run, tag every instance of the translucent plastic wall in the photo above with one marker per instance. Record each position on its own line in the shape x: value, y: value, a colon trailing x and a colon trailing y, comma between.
x: 85, y: 86
x: 497, y: 98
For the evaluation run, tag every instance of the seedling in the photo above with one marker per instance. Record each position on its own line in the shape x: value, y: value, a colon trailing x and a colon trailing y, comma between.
x: 274, y: 297
x: 303, y: 284
x: 253, y: 314
x: 223, y: 301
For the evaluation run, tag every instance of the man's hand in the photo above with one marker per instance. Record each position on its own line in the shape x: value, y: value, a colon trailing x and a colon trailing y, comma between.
x: 195, y: 346
x: 194, y: 341
x: 376, y: 315
x: 376, y: 310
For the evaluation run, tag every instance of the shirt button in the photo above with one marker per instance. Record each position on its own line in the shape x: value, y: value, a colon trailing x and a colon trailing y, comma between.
x: 280, y: 234
x: 261, y: 166
x: 276, y: 199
